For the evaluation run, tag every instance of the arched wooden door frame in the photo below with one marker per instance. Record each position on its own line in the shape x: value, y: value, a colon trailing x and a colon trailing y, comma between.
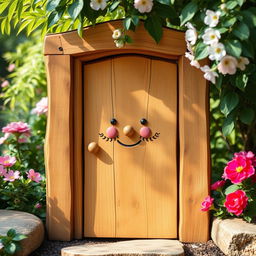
x: 65, y: 54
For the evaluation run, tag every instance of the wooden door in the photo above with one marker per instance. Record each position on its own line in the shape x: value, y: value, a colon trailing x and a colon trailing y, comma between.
x: 130, y: 191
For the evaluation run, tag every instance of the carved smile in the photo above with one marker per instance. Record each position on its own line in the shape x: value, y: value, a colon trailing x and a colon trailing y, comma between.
x: 129, y: 145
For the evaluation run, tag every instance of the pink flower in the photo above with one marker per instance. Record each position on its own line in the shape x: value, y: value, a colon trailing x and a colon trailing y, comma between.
x: 16, y: 127
x: 239, y: 169
x: 2, y: 171
x: 11, y: 67
x: 227, y: 65
x: 248, y: 154
x: 7, y: 161
x: 34, y: 176
x: 12, y: 176
x: 38, y: 206
x: 41, y: 107
x: 5, y: 83
x: 236, y: 202
x: 218, y: 184
x: 3, y: 139
x: 206, y: 204
x: 22, y: 140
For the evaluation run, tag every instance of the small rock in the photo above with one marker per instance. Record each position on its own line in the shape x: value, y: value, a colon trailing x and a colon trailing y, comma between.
x: 154, y: 247
x: 234, y: 237
x: 26, y: 224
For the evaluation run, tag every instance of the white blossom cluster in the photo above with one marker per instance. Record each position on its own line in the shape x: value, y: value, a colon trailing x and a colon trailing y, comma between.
x: 226, y: 64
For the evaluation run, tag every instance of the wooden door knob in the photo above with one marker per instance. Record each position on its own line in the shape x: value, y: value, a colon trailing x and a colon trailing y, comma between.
x: 128, y: 130
x: 93, y: 147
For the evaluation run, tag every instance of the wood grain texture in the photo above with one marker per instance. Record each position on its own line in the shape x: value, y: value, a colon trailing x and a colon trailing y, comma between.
x: 194, y: 153
x: 99, y: 38
x: 99, y: 187
x: 58, y: 148
x: 78, y: 149
x: 161, y: 155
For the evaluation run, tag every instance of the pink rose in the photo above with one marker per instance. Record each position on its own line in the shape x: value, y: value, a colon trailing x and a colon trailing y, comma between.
x: 2, y: 171
x: 34, y: 176
x: 236, y: 202
x: 239, y: 169
x: 11, y: 67
x: 5, y: 83
x: 38, y: 206
x: 218, y: 184
x: 248, y: 154
x: 3, y: 139
x: 16, y: 127
x: 12, y: 176
x: 206, y: 204
x: 41, y: 107
x: 7, y: 161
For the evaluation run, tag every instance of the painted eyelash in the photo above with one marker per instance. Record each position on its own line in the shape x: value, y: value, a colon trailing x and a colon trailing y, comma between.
x: 152, y: 138
x: 107, y: 138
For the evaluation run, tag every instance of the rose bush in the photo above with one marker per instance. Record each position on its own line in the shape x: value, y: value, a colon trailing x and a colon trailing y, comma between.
x: 235, y: 195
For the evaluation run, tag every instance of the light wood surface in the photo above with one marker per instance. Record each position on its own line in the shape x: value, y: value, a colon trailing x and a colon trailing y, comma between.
x: 58, y: 148
x: 99, y: 38
x: 99, y: 186
x: 145, y: 176
x: 194, y: 153
x: 78, y: 149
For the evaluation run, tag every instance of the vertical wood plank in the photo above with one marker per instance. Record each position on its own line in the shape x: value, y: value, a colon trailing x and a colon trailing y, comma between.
x: 194, y: 153
x: 161, y: 158
x: 58, y: 148
x: 78, y: 150
x: 99, y: 187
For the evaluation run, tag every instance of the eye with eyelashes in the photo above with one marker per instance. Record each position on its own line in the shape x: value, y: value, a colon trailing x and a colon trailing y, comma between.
x: 152, y: 138
x: 104, y: 137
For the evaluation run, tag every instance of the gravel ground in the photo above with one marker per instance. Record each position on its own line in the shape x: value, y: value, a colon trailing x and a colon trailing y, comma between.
x: 53, y: 248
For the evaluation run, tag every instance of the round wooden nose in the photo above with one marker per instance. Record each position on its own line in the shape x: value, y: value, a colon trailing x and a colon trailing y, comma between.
x: 128, y: 130
x: 93, y: 147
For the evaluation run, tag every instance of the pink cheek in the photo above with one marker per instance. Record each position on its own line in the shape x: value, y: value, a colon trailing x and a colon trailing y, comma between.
x: 145, y: 132
x: 111, y: 132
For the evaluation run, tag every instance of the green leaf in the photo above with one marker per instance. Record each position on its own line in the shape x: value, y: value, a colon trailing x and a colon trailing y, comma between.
x: 127, y: 23
x: 229, y: 22
x: 201, y: 51
x: 23, y: 26
x: 12, y: 9
x: 114, y: 6
x: 229, y: 102
x: 248, y: 49
x: 3, y: 6
x: 135, y: 20
x: 241, y: 81
x: 234, y: 48
x: 19, y: 237
x: 3, y: 25
x: 228, y: 126
x: 166, y: 11
x: 247, y: 115
x: 11, y: 233
x: 128, y: 39
x: 54, y: 18
x: 166, y: 2
x: 10, y: 248
x: 188, y: 12
x: 231, y: 189
x: 218, y: 83
x: 75, y: 9
x: 154, y: 27
x: 52, y: 4
x: 241, y: 31
x: 231, y: 4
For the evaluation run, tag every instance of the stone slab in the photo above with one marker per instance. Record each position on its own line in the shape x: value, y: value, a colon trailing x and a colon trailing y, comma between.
x: 26, y: 224
x: 149, y: 247
x: 234, y: 237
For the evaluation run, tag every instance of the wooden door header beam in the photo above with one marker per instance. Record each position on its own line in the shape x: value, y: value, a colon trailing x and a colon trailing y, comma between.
x: 99, y: 38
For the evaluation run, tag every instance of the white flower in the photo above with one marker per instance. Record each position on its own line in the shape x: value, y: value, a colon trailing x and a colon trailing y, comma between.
x: 211, y: 36
x: 227, y: 65
x: 41, y: 107
x: 212, y: 18
x: 119, y: 43
x: 217, y: 51
x: 117, y: 34
x: 241, y: 62
x: 98, y: 4
x: 1, y: 246
x: 223, y: 7
x: 193, y: 62
x: 209, y: 74
x: 191, y: 33
x: 143, y: 5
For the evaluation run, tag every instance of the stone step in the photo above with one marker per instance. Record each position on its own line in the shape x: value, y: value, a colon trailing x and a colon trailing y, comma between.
x: 149, y: 247
x: 234, y: 237
x: 26, y: 224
